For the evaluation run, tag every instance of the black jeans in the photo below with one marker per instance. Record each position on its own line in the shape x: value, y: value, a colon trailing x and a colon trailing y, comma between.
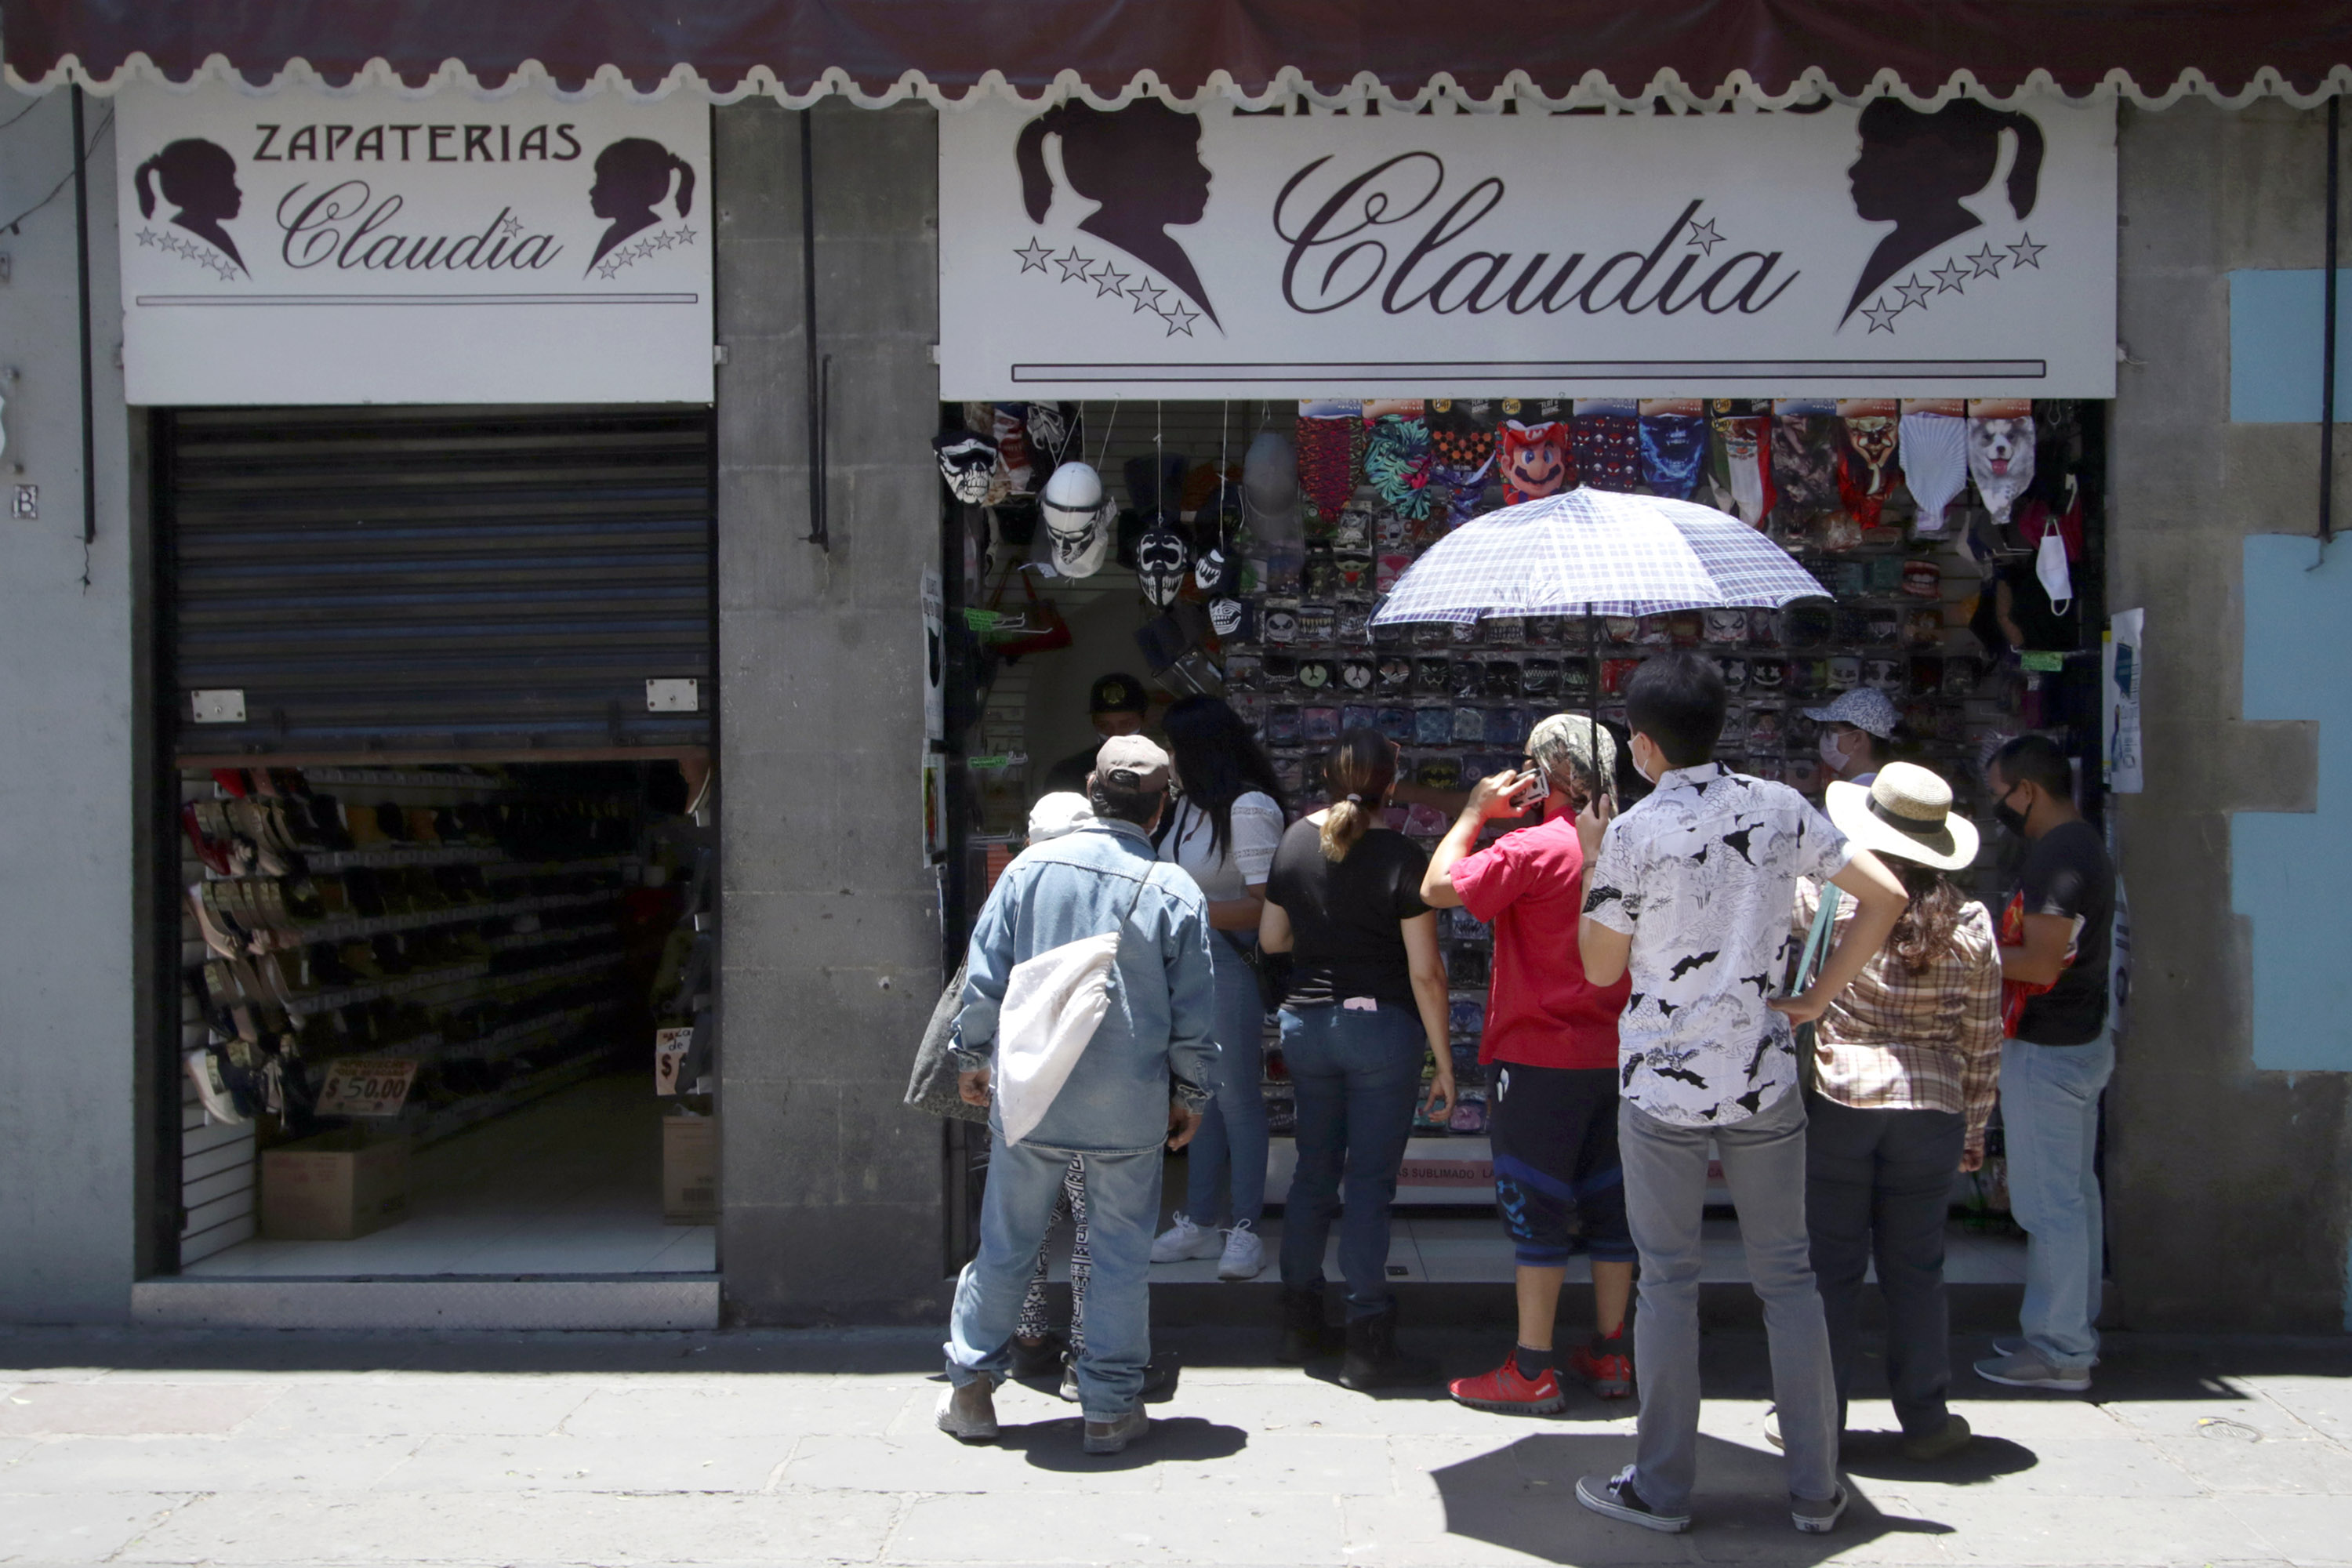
x: 1878, y: 1183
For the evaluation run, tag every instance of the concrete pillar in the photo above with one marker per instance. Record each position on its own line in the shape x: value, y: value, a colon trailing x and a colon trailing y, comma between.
x: 2230, y: 1188
x: 830, y: 940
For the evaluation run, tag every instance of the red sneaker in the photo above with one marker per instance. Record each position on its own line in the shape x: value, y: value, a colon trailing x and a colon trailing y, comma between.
x: 1609, y: 1372
x: 1504, y: 1392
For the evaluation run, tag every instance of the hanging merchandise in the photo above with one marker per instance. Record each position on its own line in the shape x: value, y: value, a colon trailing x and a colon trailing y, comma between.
x: 1535, y: 460
x: 2001, y: 452
x: 1155, y: 487
x: 1054, y: 434
x: 1462, y: 449
x: 1805, y: 463
x: 1270, y: 508
x: 1017, y: 469
x: 1868, y: 471
x: 1744, y: 453
x: 966, y: 463
x: 1323, y: 463
x: 1078, y: 518
x: 1672, y: 449
x: 2050, y: 569
x: 1161, y: 557
x: 1934, y: 458
x: 1397, y: 463
x: 1607, y: 441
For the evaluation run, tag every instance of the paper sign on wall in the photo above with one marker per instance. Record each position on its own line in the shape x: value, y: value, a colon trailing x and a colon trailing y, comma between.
x: 314, y: 248
x: 366, y: 1086
x: 2124, y: 668
x: 1857, y: 251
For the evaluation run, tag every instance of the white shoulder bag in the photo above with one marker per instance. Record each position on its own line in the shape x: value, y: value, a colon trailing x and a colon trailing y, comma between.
x: 1053, y: 1004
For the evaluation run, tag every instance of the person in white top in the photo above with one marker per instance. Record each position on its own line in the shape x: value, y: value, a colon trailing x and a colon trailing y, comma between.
x: 1227, y: 821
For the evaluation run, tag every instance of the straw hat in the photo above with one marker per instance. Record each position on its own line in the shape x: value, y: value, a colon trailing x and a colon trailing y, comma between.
x: 1906, y: 813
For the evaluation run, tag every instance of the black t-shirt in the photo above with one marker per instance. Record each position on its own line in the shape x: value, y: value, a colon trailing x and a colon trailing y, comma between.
x: 1345, y: 939
x: 1071, y: 772
x: 2067, y: 873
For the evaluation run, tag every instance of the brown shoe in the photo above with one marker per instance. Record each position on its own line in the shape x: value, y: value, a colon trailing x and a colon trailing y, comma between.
x: 968, y: 1414
x: 1940, y: 1444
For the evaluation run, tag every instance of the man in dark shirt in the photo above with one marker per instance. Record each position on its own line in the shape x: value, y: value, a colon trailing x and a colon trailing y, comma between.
x: 1117, y: 704
x: 2054, y: 937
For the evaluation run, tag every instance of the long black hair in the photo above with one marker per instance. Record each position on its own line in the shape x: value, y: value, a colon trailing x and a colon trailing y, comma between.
x: 1219, y: 762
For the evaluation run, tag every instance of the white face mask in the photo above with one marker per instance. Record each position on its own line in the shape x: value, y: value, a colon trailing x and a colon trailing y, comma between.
x: 1832, y: 753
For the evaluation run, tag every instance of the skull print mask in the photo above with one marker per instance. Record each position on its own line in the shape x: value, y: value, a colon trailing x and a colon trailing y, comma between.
x: 1076, y: 516
x: 966, y: 461
x: 1161, y: 557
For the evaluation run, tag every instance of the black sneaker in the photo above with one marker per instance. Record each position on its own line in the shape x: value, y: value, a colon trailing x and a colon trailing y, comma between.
x: 1818, y: 1518
x: 1614, y: 1497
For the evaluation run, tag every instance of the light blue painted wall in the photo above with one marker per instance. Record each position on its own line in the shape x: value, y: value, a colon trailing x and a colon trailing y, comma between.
x: 2289, y: 870
x: 2274, y: 336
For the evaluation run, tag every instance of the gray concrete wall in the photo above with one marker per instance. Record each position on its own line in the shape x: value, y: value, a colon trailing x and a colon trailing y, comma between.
x: 69, y: 1149
x: 2230, y: 1189
x: 830, y: 918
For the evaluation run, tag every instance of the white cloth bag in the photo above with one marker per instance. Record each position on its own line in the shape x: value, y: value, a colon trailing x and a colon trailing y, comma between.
x: 1053, y: 1004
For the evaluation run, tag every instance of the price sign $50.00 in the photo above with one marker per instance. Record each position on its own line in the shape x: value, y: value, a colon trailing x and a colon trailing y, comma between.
x: 367, y: 1086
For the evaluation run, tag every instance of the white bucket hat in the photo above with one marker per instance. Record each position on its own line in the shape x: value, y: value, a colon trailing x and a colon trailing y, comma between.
x: 1905, y: 813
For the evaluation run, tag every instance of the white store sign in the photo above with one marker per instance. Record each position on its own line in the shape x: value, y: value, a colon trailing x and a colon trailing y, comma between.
x: 1851, y: 252
x: 307, y: 248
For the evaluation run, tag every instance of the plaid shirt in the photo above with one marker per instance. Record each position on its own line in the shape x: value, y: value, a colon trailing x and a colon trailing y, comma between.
x: 1898, y: 1041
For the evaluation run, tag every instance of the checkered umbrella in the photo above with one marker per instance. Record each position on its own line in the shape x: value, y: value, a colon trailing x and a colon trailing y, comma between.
x: 1596, y: 553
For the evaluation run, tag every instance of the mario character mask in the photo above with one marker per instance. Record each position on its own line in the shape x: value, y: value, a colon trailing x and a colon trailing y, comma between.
x: 1535, y: 460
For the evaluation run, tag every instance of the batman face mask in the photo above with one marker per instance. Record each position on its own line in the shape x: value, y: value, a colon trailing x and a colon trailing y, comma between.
x: 966, y: 461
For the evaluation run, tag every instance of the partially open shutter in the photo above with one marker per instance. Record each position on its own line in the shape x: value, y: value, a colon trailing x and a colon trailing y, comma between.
x: 438, y: 581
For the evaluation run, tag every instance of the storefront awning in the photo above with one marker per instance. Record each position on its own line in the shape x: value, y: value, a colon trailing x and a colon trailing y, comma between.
x: 1563, y: 53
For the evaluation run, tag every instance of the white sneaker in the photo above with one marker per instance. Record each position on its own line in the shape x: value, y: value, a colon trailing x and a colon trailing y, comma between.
x: 1183, y: 1240
x: 1244, y: 1254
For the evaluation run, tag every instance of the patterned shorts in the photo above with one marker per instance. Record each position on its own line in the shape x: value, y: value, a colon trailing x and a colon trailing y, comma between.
x: 1554, y: 1132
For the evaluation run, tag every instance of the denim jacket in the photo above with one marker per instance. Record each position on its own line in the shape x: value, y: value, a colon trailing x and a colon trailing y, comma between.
x: 1154, y: 1044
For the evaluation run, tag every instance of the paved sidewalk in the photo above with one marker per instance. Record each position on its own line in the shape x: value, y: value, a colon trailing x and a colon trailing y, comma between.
x: 789, y: 1448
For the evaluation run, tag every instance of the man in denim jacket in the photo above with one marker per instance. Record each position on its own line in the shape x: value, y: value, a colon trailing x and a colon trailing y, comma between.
x: 1141, y: 1083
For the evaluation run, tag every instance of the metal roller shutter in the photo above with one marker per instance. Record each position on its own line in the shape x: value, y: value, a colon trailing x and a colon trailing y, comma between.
x: 438, y: 581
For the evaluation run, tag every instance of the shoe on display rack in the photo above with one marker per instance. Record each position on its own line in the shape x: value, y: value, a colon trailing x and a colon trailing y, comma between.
x: 1244, y: 1256
x: 1506, y: 1392
x: 1183, y: 1241
x: 968, y: 1412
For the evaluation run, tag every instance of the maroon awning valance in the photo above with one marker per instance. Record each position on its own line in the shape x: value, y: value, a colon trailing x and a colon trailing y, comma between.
x: 2151, y: 50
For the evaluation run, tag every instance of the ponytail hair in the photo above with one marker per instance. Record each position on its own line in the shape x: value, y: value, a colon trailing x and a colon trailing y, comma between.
x: 686, y: 182
x: 1361, y: 772
x: 144, y: 181
x: 2025, y: 171
x: 1029, y: 155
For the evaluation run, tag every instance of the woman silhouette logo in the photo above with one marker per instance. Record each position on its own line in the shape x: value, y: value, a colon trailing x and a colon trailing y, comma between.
x: 1142, y: 164
x: 1916, y: 168
x: 633, y: 177
x: 199, y: 178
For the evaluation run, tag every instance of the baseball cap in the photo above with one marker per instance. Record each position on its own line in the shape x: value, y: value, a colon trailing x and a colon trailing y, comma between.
x: 1118, y: 693
x: 1132, y: 762
x: 1864, y: 707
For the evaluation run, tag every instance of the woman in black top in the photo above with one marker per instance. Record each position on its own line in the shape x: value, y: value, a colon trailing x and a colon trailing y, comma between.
x: 1367, y: 998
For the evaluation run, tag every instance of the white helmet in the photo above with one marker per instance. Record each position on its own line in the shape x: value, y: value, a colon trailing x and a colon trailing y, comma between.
x: 1077, y: 517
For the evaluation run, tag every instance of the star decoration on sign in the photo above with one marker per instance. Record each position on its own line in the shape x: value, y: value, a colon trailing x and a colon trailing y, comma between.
x: 1703, y: 235
x: 1146, y: 297
x: 1913, y: 292
x: 617, y: 261
x: 1986, y: 263
x: 1073, y: 265
x: 1948, y: 277
x: 1180, y: 319
x: 1109, y: 282
x: 191, y: 250
x: 510, y: 225
x: 1881, y: 316
x: 2027, y: 253
x: 147, y: 237
x: 1034, y: 260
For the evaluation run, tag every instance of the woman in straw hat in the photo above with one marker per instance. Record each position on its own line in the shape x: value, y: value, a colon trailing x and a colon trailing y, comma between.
x: 1902, y: 1074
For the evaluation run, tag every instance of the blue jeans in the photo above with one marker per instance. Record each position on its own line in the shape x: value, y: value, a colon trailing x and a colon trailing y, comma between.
x: 1232, y: 1130
x: 1357, y: 1075
x: 2050, y: 1117
x: 1122, y: 1207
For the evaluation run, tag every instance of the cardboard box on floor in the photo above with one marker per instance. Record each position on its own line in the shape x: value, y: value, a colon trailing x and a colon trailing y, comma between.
x: 690, y: 1170
x: 335, y: 1187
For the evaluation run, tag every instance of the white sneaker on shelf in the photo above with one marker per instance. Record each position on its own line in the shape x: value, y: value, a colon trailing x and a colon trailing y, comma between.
x: 1183, y: 1240
x: 1244, y: 1254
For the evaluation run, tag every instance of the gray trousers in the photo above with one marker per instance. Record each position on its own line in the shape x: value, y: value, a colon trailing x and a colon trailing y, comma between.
x: 1665, y: 1199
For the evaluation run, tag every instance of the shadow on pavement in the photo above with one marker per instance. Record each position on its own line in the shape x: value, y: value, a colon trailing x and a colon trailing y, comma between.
x: 1173, y: 1440
x: 1878, y: 1456
x: 1523, y: 1497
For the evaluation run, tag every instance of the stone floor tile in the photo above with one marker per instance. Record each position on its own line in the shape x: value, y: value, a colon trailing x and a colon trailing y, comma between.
x: 53, y: 1527
x: 1007, y: 1527
x: 2325, y: 1403
x: 472, y: 1464
x: 2245, y: 1408
x: 427, y: 1403
x: 1291, y: 1463
x: 2226, y: 1464
x: 2000, y: 1527
x: 1038, y: 1456
x: 1530, y: 1528
x: 2309, y: 1531
x: 241, y: 1463
x: 652, y: 1409
x: 117, y: 1409
x: 366, y: 1528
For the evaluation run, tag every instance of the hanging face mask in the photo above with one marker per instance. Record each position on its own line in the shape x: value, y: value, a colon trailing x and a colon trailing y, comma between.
x: 1078, y: 518
x: 1161, y: 558
x: 1226, y: 615
x: 1049, y: 431
x: 965, y: 463
x: 2050, y: 567
x: 1674, y: 446
x: 2000, y: 460
x: 1212, y: 573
